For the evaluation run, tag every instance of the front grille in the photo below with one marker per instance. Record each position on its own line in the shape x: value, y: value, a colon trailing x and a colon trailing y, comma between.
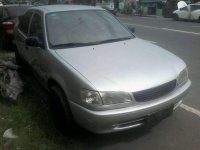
x: 153, y: 93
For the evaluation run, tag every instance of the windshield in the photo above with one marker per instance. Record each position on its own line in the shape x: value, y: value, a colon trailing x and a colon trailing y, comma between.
x: 79, y: 28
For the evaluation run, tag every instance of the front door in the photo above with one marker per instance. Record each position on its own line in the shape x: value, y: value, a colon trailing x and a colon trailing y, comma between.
x: 184, y: 13
x: 35, y: 54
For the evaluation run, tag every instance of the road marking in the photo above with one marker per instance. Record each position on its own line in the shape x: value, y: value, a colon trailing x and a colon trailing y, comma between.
x: 139, y: 25
x: 190, y: 109
x: 196, y: 26
x: 181, y: 31
x: 166, y: 29
x: 150, y: 18
x: 150, y: 41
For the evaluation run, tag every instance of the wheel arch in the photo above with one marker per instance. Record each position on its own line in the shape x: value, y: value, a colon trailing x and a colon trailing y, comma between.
x: 52, y: 82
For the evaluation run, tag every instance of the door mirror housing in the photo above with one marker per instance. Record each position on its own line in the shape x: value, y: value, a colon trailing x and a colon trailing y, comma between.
x: 34, y: 41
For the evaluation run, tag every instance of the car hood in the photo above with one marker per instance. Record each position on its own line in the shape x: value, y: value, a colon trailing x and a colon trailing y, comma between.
x: 130, y: 65
x: 176, y: 11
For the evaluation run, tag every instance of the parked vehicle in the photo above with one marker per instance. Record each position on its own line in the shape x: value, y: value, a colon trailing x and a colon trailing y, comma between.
x: 106, y: 83
x: 109, y: 5
x: 188, y: 12
x: 8, y: 18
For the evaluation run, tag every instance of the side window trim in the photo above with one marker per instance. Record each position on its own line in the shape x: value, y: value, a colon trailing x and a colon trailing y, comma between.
x: 24, y: 34
x: 32, y: 20
x: 42, y: 25
x: 29, y: 26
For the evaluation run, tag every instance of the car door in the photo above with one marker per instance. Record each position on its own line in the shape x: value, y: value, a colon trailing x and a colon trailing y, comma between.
x: 34, y: 55
x: 195, y: 12
x: 184, y: 13
x: 21, y: 33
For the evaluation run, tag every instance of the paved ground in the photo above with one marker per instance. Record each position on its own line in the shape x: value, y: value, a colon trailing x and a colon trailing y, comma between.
x: 182, y: 130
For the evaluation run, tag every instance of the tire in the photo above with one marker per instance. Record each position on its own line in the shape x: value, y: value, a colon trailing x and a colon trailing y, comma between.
x: 175, y: 17
x: 61, y: 111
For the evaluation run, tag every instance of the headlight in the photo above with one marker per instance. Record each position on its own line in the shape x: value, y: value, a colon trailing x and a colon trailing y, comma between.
x: 109, y: 98
x: 91, y: 97
x: 183, y: 77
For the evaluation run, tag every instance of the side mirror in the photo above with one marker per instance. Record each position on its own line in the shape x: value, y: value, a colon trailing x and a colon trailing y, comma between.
x: 34, y: 41
x: 132, y: 29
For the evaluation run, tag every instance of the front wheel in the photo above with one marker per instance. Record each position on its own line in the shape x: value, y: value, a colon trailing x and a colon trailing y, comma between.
x: 175, y: 17
x: 61, y: 111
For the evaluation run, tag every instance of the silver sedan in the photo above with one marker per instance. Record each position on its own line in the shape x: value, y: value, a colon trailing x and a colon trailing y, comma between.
x: 98, y: 73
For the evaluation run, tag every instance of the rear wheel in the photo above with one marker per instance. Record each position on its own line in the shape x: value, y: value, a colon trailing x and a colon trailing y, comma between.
x: 61, y: 111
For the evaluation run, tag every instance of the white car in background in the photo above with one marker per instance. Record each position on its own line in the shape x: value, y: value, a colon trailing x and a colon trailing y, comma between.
x: 188, y: 12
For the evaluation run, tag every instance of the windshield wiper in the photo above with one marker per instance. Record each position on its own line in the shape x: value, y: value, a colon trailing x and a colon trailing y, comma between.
x: 69, y: 45
x: 114, y: 40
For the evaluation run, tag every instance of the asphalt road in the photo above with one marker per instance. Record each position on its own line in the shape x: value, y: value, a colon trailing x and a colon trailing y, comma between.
x: 180, y: 131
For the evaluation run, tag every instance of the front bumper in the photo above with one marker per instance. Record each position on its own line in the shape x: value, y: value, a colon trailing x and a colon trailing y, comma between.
x: 125, y: 118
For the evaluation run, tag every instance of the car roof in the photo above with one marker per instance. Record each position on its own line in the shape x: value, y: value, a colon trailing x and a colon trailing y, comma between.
x: 64, y: 7
x: 195, y: 4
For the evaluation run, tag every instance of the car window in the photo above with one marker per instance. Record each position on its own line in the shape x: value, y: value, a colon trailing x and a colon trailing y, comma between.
x: 194, y: 7
x: 86, y: 26
x: 24, y: 22
x: 16, y: 10
x: 184, y: 8
x: 36, y: 27
x: 5, y: 13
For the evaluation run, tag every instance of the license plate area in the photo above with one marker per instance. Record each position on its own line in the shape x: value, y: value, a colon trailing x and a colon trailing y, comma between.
x: 159, y: 115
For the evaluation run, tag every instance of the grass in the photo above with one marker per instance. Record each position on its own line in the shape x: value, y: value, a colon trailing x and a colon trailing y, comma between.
x: 31, y: 120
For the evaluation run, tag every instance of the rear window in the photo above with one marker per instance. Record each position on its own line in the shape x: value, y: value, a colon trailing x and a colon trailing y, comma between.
x: 16, y: 10
x: 3, y: 13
